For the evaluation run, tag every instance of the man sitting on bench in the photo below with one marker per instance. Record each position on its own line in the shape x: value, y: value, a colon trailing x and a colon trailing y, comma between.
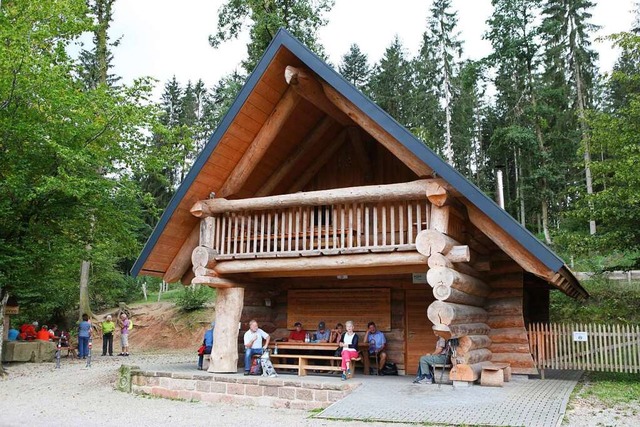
x: 438, y: 357
x: 377, y: 345
x: 253, y: 343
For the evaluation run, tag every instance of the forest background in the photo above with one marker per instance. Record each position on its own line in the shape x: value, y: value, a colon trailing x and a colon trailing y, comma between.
x: 88, y: 163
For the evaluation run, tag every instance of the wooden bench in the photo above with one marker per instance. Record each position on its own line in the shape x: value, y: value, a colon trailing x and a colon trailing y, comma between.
x: 305, y: 363
x: 443, y: 367
x: 495, y: 375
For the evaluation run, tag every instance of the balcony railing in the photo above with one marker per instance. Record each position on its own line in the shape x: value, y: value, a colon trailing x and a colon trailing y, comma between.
x: 318, y: 230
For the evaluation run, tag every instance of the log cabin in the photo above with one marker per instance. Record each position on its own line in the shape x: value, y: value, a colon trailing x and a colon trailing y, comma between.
x: 310, y: 203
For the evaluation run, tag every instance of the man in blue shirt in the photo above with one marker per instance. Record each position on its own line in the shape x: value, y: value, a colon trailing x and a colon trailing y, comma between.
x: 322, y: 334
x: 377, y: 345
x: 207, y: 342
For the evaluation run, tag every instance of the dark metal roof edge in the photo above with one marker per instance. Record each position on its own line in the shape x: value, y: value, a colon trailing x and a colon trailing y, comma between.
x: 417, y: 147
x: 202, y: 158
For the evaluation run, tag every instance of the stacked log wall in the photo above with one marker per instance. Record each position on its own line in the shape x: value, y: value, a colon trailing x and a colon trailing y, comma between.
x: 509, y: 339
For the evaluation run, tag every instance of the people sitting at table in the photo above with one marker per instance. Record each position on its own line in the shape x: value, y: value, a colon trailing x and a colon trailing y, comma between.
x: 377, y: 345
x: 253, y: 343
x: 322, y: 334
x: 43, y: 334
x: 53, y: 332
x: 336, y: 334
x: 349, y: 345
x: 28, y: 331
x: 298, y: 334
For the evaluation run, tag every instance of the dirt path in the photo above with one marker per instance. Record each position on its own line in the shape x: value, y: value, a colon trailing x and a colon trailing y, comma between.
x: 40, y: 395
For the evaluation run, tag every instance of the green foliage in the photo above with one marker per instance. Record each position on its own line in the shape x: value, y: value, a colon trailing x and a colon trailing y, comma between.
x: 194, y: 298
x: 355, y: 67
x: 611, y: 388
x: 610, y: 302
x: 303, y: 18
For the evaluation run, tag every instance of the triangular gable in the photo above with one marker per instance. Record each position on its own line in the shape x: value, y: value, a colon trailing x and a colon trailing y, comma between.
x: 489, y: 212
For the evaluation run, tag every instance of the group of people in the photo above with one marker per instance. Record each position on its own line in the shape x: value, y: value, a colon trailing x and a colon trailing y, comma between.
x: 256, y: 342
x: 85, y: 332
x: 32, y: 331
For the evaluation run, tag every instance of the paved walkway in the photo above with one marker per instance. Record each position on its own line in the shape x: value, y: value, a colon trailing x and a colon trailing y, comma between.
x: 521, y: 402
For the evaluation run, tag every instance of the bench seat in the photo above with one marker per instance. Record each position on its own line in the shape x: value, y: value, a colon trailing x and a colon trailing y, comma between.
x: 305, y: 362
x: 495, y: 374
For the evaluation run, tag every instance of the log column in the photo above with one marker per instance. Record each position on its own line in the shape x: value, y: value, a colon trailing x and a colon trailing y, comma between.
x: 224, y: 355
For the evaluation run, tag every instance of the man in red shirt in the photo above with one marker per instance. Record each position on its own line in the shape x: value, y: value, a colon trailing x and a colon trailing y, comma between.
x: 298, y: 334
x: 43, y: 334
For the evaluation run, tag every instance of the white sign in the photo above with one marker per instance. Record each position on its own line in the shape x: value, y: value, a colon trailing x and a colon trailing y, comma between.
x: 580, y: 336
x: 420, y: 278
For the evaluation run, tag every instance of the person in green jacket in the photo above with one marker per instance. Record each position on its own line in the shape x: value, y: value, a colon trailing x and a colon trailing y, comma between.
x: 107, y: 335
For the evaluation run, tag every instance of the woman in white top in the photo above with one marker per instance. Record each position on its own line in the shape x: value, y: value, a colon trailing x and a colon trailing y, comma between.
x: 349, y: 345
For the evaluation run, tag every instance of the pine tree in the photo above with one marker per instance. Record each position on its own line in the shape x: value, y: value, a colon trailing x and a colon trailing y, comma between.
x: 390, y: 82
x: 566, y: 32
x: 97, y: 62
x: 303, y: 18
x: 442, y: 32
x: 355, y: 67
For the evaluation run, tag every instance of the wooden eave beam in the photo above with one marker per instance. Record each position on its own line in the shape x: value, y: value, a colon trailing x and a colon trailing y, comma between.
x: 298, y: 154
x: 377, y: 132
x: 507, y: 243
x: 329, y: 263
x: 310, y: 89
x: 256, y: 151
x: 369, y: 271
x: 182, y: 261
x: 414, y: 190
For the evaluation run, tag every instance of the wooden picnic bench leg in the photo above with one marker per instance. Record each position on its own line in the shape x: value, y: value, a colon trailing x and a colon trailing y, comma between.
x: 365, y: 362
x: 302, y: 367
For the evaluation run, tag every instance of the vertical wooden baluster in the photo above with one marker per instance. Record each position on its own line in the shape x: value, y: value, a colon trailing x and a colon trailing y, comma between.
x: 359, y: 225
x: 218, y: 231
x: 335, y: 227
x: 311, y: 228
x: 297, y: 231
x: 223, y: 226
x: 401, y: 217
x: 427, y: 214
x: 276, y: 230
x: 255, y: 233
x: 409, y: 223
x: 366, y: 225
x: 247, y: 246
x: 283, y: 231
x: 261, y: 232
x: 392, y: 214
x: 213, y: 236
x: 342, y: 225
x: 327, y: 221
x: 236, y: 231
x: 384, y: 222
x: 230, y: 234
x: 375, y: 225
x: 418, y: 218
x: 269, y: 236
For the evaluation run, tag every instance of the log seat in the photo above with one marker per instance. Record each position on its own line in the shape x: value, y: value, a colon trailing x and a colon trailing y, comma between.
x: 495, y: 374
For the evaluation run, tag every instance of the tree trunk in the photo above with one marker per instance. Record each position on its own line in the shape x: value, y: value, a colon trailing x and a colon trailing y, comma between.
x: 85, y: 306
x: 224, y: 357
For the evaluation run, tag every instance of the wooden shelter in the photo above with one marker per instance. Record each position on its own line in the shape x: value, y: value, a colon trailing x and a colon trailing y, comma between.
x: 311, y: 203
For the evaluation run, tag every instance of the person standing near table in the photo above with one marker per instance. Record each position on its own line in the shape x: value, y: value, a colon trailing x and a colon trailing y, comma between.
x: 253, y: 343
x: 349, y: 345
x: 84, y: 334
x: 107, y: 335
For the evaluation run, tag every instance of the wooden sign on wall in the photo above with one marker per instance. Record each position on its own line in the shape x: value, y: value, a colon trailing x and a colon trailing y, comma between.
x: 310, y: 306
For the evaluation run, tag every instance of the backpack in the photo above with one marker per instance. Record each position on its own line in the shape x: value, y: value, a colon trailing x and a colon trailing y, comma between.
x: 389, y: 368
x: 130, y: 325
x: 255, y: 369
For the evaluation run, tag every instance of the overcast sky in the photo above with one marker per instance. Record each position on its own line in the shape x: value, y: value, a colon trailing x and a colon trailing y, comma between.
x: 162, y: 38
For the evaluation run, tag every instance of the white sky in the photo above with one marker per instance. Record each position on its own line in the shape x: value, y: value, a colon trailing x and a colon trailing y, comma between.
x: 162, y: 38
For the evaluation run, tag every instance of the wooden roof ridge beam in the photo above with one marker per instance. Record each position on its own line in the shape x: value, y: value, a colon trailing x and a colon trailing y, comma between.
x: 182, y: 261
x: 260, y: 143
x: 298, y: 154
x: 308, y: 87
x: 377, y: 132
x: 371, y: 193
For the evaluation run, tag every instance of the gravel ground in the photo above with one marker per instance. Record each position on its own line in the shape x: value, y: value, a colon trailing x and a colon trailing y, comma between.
x: 40, y: 395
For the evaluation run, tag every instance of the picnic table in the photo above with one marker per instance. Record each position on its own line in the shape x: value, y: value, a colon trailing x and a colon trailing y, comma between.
x: 310, y: 356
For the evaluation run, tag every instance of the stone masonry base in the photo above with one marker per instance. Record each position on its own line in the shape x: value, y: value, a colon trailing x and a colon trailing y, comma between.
x: 277, y: 392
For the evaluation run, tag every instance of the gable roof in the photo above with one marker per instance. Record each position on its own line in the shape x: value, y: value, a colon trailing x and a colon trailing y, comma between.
x: 156, y: 255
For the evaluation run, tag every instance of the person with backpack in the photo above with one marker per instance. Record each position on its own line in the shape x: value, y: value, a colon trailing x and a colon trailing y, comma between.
x: 125, y: 324
x: 253, y: 343
x: 438, y: 357
x: 207, y: 343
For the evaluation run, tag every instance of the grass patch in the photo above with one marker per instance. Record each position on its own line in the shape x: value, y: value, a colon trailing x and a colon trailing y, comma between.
x: 611, y: 388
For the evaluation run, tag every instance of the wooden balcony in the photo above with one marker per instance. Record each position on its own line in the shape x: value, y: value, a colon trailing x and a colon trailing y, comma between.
x: 316, y: 230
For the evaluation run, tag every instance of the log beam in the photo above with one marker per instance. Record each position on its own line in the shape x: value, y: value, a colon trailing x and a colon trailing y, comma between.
x: 462, y: 372
x: 440, y: 312
x: 457, y: 331
x: 439, y: 218
x: 260, y: 144
x: 310, y: 89
x: 182, y: 261
x: 331, y: 263
x: 228, y: 308
x: 439, y: 260
x: 429, y: 242
x: 437, y: 194
x: 472, y: 342
x: 364, y: 194
x: 214, y: 282
x: 294, y: 158
x: 203, y: 257
x: 442, y: 276
x: 449, y: 294
x: 372, y: 127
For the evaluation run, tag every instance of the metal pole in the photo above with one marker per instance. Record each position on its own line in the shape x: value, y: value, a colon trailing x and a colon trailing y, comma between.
x: 58, y: 350
x: 89, y: 355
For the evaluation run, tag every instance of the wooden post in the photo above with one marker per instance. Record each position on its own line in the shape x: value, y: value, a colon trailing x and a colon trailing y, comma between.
x: 224, y: 355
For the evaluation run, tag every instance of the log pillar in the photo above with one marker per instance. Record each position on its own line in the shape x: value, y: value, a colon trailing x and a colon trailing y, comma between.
x: 224, y: 355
